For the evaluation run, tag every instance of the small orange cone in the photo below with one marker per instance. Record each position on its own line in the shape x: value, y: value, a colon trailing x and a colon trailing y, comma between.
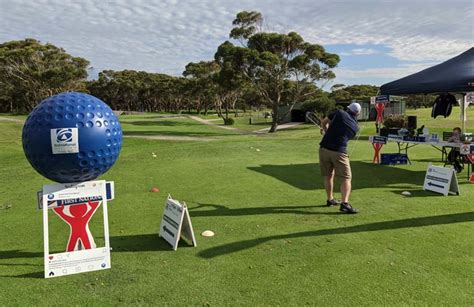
x: 154, y: 190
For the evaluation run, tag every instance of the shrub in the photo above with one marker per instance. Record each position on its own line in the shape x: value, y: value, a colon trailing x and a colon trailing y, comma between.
x: 229, y: 121
x: 395, y: 121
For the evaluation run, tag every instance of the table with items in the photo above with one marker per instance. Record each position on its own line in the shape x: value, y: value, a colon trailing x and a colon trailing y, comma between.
x: 404, y: 143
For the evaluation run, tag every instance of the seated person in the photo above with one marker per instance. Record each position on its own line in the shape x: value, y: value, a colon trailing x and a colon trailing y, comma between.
x: 456, y: 137
x: 454, y: 154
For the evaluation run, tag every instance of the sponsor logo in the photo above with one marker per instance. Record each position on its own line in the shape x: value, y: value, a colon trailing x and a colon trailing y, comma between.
x: 64, y: 140
x: 50, y: 196
x: 64, y: 135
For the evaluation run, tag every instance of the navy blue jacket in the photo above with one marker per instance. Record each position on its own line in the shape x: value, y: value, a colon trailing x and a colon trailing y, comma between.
x: 343, y: 127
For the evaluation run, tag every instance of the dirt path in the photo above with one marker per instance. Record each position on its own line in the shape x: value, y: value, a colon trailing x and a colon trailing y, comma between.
x: 5, y: 119
x: 280, y: 127
x: 171, y: 138
x: 210, y: 123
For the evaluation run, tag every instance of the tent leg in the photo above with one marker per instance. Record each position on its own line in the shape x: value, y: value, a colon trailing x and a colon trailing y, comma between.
x: 463, y: 112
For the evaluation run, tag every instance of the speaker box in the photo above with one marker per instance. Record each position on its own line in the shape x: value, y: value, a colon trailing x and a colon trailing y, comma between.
x: 411, y: 123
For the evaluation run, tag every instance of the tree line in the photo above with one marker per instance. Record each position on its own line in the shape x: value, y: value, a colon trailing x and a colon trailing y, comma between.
x: 256, y: 69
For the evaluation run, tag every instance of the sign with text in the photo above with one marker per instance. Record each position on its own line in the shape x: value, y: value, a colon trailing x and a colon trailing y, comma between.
x: 382, y: 99
x: 176, y: 224
x: 64, y: 140
x: 441, y: 180
x: 109, y: 189
x: 76, y: 204
x: 375, y: 139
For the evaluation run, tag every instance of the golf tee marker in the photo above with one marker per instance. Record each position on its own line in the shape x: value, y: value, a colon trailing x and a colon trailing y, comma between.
x: 176, y: 224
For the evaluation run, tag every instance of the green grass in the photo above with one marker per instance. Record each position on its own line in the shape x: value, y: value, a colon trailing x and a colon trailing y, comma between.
x: 274, y: 245
x: 175, y: 125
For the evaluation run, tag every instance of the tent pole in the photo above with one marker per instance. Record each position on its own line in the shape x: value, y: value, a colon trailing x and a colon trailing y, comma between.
x: 463, y: 113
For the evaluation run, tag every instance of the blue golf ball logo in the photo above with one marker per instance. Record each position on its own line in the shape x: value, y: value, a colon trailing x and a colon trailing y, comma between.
x: 64, y: 135
x: 72, y: 137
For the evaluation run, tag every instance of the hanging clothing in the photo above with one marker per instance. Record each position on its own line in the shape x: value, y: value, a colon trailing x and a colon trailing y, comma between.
x: 443, y: 105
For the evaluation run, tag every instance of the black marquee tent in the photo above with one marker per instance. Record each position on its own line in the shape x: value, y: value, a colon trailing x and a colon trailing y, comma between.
x: 454, y: 76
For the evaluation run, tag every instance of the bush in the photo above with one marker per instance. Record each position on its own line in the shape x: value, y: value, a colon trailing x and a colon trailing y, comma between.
x: 228, y: 121
x: 395, y: 121
x: 322, y: 105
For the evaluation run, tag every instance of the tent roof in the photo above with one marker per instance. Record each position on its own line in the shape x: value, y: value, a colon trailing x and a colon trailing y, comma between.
x: 454, y: 75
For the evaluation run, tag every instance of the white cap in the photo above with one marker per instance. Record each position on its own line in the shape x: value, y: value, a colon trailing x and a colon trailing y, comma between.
x: 355, y: 107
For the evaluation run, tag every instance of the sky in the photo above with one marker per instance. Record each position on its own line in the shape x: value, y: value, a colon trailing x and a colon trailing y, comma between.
x: 378, y: 41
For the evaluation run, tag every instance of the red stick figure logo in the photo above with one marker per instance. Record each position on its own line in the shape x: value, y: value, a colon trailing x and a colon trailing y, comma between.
x: 379, y: 107
x: 78, y: 219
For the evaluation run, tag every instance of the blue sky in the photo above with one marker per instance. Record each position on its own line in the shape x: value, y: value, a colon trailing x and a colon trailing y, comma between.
x: 378, y: 41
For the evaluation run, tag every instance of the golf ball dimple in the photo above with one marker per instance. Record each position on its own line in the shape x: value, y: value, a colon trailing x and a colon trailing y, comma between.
x: 68, y: 118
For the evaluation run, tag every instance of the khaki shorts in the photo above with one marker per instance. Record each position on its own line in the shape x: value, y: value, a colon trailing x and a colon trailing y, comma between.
x: 330, y: 161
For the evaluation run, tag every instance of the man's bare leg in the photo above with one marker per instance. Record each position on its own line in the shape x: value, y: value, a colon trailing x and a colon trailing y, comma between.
x: 329, y: 185
x: 345, y: 190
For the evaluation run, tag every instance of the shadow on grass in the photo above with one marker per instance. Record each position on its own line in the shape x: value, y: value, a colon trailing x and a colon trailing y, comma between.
x: 219, y: 210
x: 129, y: 243
x: 35, y: 275
x: 380, y: 226
x: 11, y: 254
x: 365, y: 175
x: 139, y: 243
x: 419, y: 193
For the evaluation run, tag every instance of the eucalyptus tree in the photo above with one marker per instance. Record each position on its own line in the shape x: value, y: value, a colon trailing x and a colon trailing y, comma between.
x: 202, y: 88
x: 270, y: 60
x: 30, y: 71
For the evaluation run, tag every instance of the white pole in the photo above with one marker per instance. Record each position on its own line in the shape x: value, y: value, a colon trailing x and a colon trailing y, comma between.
x: 463, y: 112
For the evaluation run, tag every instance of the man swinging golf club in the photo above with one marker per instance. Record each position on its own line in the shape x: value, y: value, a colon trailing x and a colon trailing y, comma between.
x: 338, y: 128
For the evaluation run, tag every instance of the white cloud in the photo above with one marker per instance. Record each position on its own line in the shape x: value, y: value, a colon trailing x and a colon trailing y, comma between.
x: 359, y: 51
x: 384, y: 72
x: 165, y: 35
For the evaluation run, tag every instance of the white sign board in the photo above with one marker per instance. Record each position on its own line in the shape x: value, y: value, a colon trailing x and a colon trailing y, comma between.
x: 176, y: 223
x: 469, y: 98
x: 465, y: 149
x: 441, y: 180
x: 64, y: 140
x: 109, y: 188
x: 76, y: 204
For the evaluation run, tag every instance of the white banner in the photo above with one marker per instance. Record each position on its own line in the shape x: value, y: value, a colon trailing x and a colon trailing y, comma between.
x: 76, y: 204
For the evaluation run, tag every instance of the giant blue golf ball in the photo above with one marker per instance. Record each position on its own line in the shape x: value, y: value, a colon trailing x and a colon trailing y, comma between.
x: 72, y: 137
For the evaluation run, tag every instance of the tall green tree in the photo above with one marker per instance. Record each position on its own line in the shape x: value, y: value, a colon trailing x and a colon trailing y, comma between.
x: 202, y: 88
x: 31, y: 71
x: 270, y: 60
x: 231, y: 81
x: 341, y: 92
